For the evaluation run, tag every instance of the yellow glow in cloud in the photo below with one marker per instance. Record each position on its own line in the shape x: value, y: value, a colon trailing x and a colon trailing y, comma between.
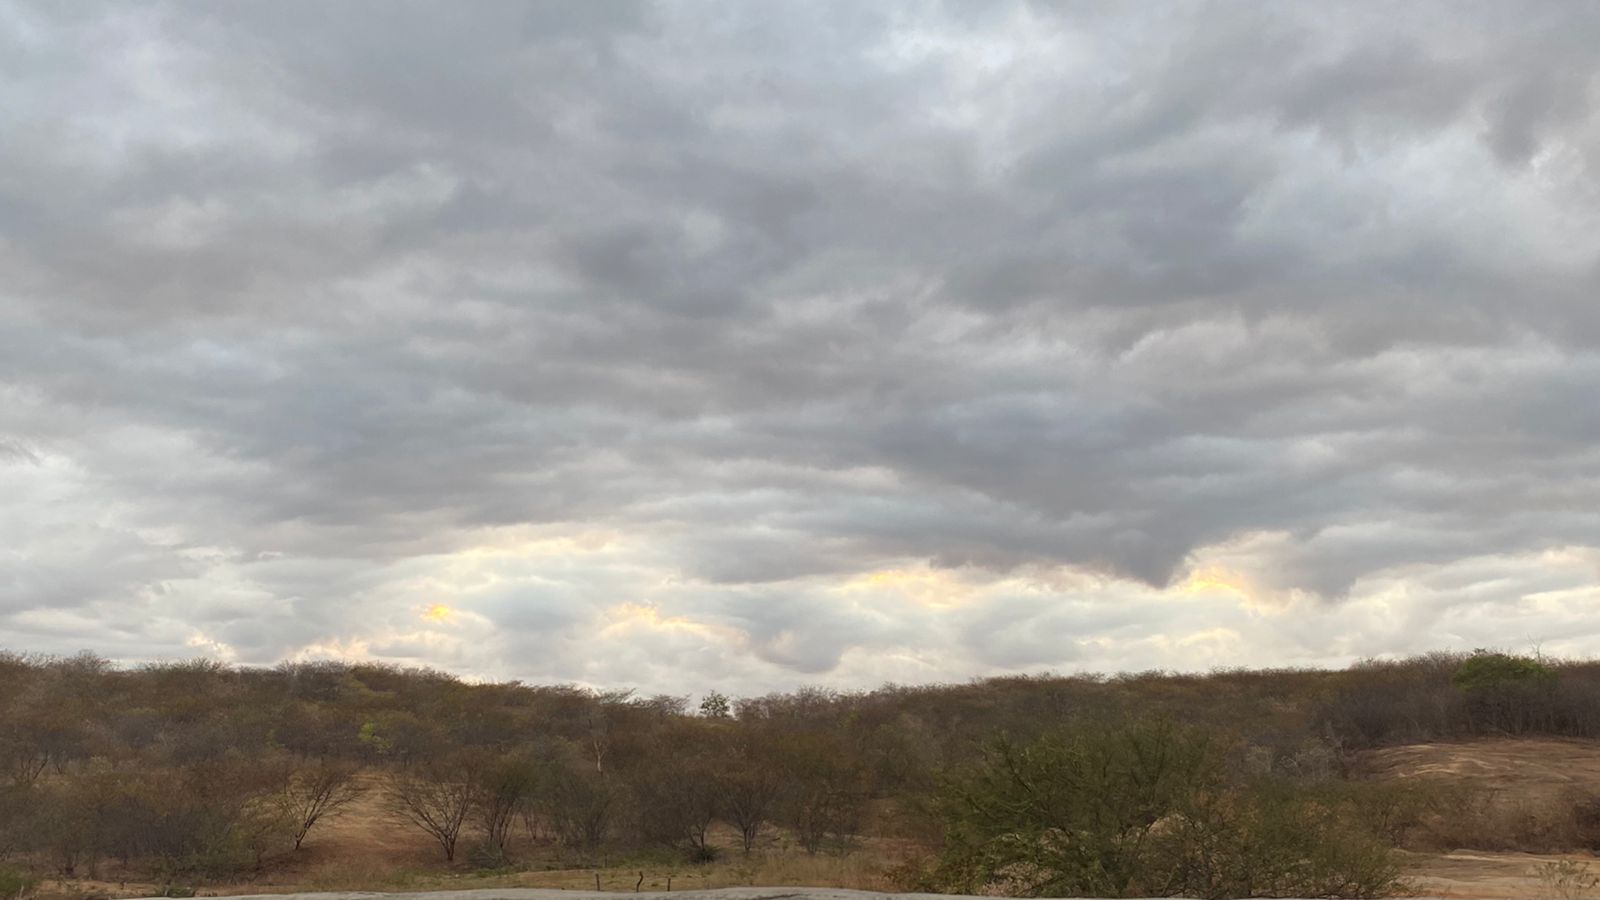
x: 439, y: 612
x: 644, y: 615
x: 1215, y: 580
x: 926, y: 587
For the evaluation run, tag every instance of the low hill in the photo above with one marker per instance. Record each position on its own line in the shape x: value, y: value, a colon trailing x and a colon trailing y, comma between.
x: 115, y: 780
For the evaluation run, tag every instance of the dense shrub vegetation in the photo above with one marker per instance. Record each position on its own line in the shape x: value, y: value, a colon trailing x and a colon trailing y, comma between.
x: 1154, y: 810
x: 1229, y: 784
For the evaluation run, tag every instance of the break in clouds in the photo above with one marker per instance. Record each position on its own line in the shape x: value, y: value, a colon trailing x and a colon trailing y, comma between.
x: 692, y: 345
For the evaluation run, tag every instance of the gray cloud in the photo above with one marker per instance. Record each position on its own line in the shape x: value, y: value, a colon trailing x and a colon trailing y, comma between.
x: 312, y: 316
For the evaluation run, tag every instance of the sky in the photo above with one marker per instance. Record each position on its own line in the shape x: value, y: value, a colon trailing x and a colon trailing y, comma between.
x: 744, y: 346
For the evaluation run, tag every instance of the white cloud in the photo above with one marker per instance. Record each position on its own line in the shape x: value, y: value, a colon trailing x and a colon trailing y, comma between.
x: 687, y: 346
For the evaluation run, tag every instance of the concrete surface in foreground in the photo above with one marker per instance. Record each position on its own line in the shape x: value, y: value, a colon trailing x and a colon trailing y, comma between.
x: 734, y: 893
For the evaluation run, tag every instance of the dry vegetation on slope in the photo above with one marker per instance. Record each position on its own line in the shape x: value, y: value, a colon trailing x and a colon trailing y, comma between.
x: 120, y: 781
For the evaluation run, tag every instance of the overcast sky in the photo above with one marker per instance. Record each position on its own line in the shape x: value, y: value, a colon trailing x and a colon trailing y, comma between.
x: 751, y: 345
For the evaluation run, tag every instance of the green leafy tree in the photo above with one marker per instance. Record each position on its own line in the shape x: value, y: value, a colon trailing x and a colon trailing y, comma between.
x: 716, y: 705
x: 1512, y: 694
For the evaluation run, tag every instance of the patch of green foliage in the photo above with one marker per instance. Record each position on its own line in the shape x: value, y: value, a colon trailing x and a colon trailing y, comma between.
x: 1485, y: 671
x: 1505, y: 693
x: 16, y: 884
x: 1151, y: 809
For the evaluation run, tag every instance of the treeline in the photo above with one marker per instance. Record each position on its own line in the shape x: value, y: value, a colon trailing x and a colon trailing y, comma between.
x: 202, y: 769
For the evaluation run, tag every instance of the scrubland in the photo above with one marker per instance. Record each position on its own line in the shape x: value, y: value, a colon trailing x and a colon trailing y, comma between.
x: 1471, y: 775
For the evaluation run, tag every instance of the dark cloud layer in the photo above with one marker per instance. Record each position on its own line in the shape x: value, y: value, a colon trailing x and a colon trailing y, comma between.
x: 839, y: 341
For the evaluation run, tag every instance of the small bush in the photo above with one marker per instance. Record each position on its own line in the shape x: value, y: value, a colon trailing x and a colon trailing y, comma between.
x: 16, y: 884
x: 1566, y: 880
x: 1393, y: 810
x: 487, y: 856
x: 1586, y: 821
x: 1501, y: 820
x: 702, y: 854
x: 1274, y: 840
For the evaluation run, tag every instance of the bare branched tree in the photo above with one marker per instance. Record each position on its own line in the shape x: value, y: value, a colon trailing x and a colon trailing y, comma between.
x: 504, y: 792
x: 435, y: 797
x: 750, y: 791
x: 314, y: 792
x: 580, y: 806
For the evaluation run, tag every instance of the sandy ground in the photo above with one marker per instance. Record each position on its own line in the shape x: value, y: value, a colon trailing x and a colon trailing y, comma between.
x: 1484, y: 876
